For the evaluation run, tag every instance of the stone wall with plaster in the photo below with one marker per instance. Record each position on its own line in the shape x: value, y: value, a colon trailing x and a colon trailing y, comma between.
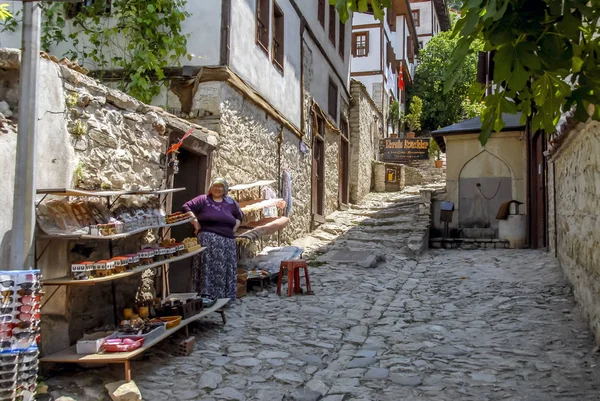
x: 89, y: 137
x: 248, y: 149
x: 466, y: 158
x: 363, y: 122
x: 574, y: 215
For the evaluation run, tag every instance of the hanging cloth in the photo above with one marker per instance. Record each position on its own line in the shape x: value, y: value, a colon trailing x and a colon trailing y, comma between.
x: 286, y: 192
x: 268, y: 193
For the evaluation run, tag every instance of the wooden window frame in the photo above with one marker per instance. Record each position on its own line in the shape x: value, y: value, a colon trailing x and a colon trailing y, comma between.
x: 342, y: 40
x: 263, y: 21
x: 332, y: 24
x: 355, y: 36
x: 321, y: 7
x: 332, y: 101
x: 278, y: 13
x: 416, y: 14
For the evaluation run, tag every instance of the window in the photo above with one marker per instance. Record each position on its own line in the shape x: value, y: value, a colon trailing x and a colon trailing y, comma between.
x: 278, y: 36
x: 416, y: 14
x: 410, y: 49
x: 262, y: 24
x: 342, y: 40
x: 322, y: 12
x: 360, y: 44
x: 332, y: 100
x: 332, y: 18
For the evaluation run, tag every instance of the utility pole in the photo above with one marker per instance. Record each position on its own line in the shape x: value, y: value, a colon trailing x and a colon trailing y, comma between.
x: 23, y: 228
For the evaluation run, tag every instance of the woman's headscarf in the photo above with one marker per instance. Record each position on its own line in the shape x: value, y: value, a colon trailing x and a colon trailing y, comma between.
x: 220, y: 181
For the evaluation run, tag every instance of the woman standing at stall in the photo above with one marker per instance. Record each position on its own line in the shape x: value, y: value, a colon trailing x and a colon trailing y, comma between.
x: 217, y: 217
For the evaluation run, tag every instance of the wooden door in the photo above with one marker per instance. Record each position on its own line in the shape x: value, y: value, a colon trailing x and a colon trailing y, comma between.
x: 319, y: 177
x: 538, y: 217
x: 191, y: 176
x: 344, y: 189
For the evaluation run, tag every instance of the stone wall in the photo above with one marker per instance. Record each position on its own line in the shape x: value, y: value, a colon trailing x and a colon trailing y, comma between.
x: 424, y: 171
x: 248, y: 149
x: 92, y: 137
x: 332, y: 171
x: 363, y: 122
x: 574, y: 212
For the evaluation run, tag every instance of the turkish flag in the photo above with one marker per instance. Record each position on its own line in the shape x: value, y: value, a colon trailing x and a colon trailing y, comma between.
x: 401, y: 80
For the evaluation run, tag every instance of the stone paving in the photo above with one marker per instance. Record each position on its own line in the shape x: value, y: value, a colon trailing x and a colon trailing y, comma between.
x: 446, y: 325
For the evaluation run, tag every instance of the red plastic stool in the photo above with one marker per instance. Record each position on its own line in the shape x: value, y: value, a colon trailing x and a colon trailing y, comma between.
x: 293, y: 268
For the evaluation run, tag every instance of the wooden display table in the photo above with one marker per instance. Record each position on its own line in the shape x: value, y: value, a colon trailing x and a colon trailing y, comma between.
x: 70, y: 355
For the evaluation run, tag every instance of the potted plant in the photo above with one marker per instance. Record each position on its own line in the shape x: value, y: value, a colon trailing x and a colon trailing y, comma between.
x: 436, y: 152
x: 413, y: 118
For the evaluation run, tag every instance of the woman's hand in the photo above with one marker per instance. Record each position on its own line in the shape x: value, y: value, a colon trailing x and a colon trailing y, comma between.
x: 196, y: 226
x: 237, y: 225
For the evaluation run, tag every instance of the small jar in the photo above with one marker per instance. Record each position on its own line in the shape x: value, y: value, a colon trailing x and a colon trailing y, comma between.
x: 146, y: 256
x: 80, y: 271
x: 100, y: 268
x: 94, y: 230
x: 119, y: 227
x: 161, y: 254
x: 120, y: 264
x: 133, y: 261
x: 170, y: 251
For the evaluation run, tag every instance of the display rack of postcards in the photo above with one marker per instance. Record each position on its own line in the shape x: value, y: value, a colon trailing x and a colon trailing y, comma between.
x: 20, y: 335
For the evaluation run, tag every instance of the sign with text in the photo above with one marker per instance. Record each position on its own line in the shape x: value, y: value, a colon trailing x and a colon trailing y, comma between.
x: 402, y: 150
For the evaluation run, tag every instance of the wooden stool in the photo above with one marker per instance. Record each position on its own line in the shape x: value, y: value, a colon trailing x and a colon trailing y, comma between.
x: 293, y: 268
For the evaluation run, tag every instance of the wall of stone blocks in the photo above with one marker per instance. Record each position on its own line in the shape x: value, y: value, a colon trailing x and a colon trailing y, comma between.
x: 248, y: 151
x: 93, y: 137
x: 363, y: 141
x: 574, y: 217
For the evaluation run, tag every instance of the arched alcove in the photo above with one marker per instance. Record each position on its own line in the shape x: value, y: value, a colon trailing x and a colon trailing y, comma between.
x: 485, y: 182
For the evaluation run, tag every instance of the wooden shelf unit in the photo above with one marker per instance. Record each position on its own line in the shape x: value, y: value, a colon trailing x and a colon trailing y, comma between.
x: 70, y: 355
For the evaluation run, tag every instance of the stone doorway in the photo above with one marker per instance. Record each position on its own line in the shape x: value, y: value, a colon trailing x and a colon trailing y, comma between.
x: 193, y: 177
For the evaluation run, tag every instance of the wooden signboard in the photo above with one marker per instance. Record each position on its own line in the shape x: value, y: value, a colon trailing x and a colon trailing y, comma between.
x: 402, y: 150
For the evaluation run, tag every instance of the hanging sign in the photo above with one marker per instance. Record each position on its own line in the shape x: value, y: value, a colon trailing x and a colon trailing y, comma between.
x: 401, y: 150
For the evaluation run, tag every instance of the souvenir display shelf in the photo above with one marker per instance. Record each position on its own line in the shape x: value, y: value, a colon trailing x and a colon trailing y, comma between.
x: 70, y: 355
x: 254, y: 205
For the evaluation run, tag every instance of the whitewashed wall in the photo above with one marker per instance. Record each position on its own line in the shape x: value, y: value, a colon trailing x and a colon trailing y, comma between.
x: 372, y: 62
x: 203, y: 27
x: 308, y: 8
x: 426, y: 9
x: 251, y: 63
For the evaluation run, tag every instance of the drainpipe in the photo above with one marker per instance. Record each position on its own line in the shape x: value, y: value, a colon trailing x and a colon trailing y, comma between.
x: 22, y: 255
x: 554, y: 200
x: 279, y: 143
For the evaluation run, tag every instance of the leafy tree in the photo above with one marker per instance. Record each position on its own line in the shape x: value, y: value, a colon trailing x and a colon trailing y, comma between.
x: 442, y: 108
x: 344, y: 7
x: 4, y: 13
x: 395, y: 116
x: 471, y: 109
x: 141, y: 38
x: 547, y: 59
x: 413, y: 118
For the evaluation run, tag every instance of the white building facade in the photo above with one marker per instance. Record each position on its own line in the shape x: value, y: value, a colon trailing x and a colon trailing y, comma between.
x: 384, y: 54
x: 431, y: 17
x: 272, y: 77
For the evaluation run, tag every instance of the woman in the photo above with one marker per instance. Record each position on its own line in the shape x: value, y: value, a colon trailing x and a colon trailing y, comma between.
x: 217, y: 217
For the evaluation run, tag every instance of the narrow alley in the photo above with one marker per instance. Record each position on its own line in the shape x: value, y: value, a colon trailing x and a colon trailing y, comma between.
x: 385, y: 323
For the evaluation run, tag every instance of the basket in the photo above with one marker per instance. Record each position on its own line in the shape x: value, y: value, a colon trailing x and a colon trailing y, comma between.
x: 172, y: 321
x: 122, y: 344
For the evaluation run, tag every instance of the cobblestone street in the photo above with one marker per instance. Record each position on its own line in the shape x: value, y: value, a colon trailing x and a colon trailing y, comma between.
x: 385, y: 323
